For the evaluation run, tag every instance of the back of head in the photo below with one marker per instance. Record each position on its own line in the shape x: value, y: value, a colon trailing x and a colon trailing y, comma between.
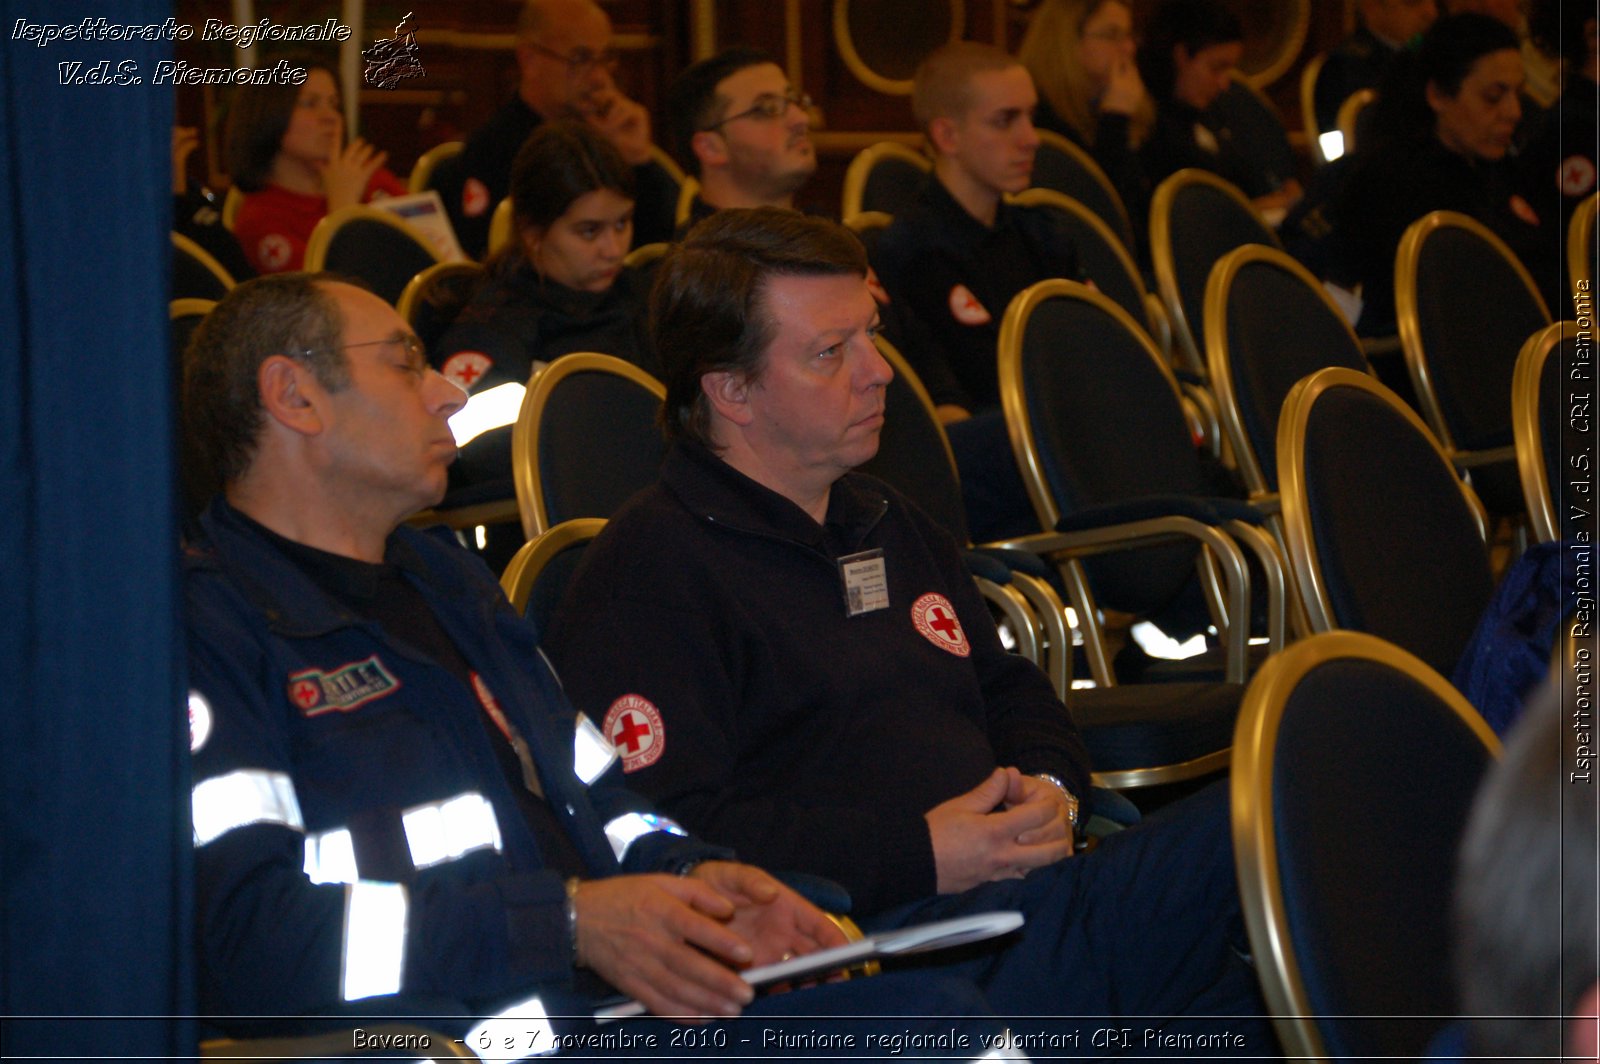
x: 281, y: 314
x: 258, y: 118
x: 557, y: 164
x: 1526, y: 906
x: 692, y: 102
x: 707, y: 312
x: 1195, y: 24
x: 942, y: 87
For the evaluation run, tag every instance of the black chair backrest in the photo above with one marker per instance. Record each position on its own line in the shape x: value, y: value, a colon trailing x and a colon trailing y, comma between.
x: 1107, y: 424
x: 1269, y: 325
x: 1354, y: 773
x: 913, y: 454
x: 1258, y: 135
x: 384, y: 256
x: 1061, y: 165
x: 1103, y: 257
x: 592, y: 420
x: 1465, y: 307
x: 892, y: 185
x: 1545, y: 434
x: 1195, y: 219
x: 1377, y: 520
x: 536, y: 579
x: 193, y: 277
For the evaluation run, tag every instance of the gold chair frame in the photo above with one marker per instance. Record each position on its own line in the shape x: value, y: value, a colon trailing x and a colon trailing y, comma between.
x: 861, y: 167
x: 1219, y: 361
x: 645, y: 254
x: 1405, y: 302
x: 522, y: 572
x: 1526, y: 437
x: 232, y: 200
x: 867, y: 221
x: 1308, y: 107
x: 428, y: 161
x: 1305, y: 568
x: 1056, y: 142
x: 662, y: 158
x: 329, y: 226
x: 1255, y: 848
x: 1350, y: 114
x: 207, y: 260
x: 1186, y: 344
x: 1031, y: 605
x: 686, y: 194
x: 189, y: 307
x: 1580, y: 245
x: 525, y: 434
x: 1226, y: 579
x: 502, y: 226
x: 417, y: 287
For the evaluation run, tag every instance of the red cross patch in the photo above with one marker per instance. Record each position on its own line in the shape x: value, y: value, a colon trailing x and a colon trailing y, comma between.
x: 936, y: 619
x: 474, y: 198
x: 634, y: 727
x: 966, y: 308
x: 273, y: 251
x: 465, y: 369
x: 306, y: 693
x: 1576, y: 176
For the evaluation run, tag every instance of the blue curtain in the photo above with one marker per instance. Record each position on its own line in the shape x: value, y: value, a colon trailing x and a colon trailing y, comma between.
x: 94, y: 845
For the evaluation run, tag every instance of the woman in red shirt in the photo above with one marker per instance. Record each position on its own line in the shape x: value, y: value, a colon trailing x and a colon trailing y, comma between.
x: 286, y: 151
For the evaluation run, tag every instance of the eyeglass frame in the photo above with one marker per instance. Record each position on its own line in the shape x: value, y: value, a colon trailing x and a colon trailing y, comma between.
x: 764, y: 108
x: 414, y: 347
x: 580, y: 57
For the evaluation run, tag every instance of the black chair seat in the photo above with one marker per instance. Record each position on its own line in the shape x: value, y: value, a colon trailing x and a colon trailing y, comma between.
x: 1133, y: 725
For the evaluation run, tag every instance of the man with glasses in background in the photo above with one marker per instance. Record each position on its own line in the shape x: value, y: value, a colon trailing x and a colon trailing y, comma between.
x: 566, y: 54
x: 740, y: 128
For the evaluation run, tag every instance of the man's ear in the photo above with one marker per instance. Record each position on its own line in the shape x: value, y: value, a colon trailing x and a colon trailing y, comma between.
x: 283, y: 384
x: 709, y: 148
x: 729, y: 395
x: 942, y: 134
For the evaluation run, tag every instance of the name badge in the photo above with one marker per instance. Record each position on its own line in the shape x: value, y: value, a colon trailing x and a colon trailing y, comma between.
x: 866, y: 582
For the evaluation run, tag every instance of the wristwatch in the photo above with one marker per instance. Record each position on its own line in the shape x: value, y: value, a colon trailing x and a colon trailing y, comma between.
x: 1072, y: 799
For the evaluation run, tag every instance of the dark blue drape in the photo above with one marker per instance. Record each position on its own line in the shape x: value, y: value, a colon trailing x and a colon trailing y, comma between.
x: 94, y: 845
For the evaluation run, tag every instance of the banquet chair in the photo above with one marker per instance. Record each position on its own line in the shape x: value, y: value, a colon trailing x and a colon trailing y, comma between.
x: 1542, y: 431
x: 196, y: 274
x: 1063, y: 167
x: 421, y: 177
x: 883, y: 177
x: 372, y: 244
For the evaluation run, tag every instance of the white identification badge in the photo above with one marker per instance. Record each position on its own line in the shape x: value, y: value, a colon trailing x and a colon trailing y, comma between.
x: 866, y: 582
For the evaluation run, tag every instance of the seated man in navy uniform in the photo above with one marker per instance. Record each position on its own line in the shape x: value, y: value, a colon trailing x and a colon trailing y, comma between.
x: 395, y: 807
x: 792, y: 657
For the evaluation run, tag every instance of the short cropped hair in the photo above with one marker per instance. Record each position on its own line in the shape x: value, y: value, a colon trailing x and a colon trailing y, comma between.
x: 693, y: 102
x: 708, y: 309
x: 942, y: 86
x: 1525, y: 906
x: 290, y: 314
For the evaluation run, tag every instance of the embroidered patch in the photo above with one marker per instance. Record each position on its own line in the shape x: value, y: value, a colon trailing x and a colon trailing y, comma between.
x: 634, y: 727
x: 474, y: 198
x: 966, y: 308
x: 348, y: 687
x: 199, y: 721
x: 1524, y: 210
x: 273, y: 251
x: 1576, y: 176
x: 465, y: 368
x: 936, y: 619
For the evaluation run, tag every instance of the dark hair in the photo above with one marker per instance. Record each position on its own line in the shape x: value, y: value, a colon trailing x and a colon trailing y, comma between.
x: 1444, y: 59
x: 1525, y: 914
x: 708, y: 310
x: 692, y: 102
x: 258, y: 117
x: 559, y: 162
x: 290, y: 314
x: 1195, y: 24
x: 1558, y: 29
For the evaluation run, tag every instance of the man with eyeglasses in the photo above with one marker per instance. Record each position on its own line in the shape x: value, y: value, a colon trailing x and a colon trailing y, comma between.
x: 740, y: 128
x: 396, y: 811
x: 567, y: 56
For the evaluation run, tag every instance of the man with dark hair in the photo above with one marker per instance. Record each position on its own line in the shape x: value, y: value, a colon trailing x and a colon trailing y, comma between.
x: 566, y: 55
x: 395, y: 808
x: 742, y: 130
x: 1526, y: 904
x: 1363, y: 59
x: 791, y: 654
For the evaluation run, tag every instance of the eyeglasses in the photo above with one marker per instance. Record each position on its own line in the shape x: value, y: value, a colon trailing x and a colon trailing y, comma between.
x: 768, y: 107
x: 415, y: 352
x: 580, y: 58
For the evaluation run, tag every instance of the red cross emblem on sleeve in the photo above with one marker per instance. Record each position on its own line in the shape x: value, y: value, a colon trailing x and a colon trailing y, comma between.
x: 306, y: 693
x: 634, y: 727
x: 936, y: 619
x: 966, y: 308
x: 273, y: 251
x: 1576, y: 176
x: 465, y: 368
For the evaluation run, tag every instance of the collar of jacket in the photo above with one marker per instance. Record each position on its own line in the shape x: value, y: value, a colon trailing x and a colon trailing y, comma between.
x: 293, y: 603
x: 713, y: 490
x: 960, y: 228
